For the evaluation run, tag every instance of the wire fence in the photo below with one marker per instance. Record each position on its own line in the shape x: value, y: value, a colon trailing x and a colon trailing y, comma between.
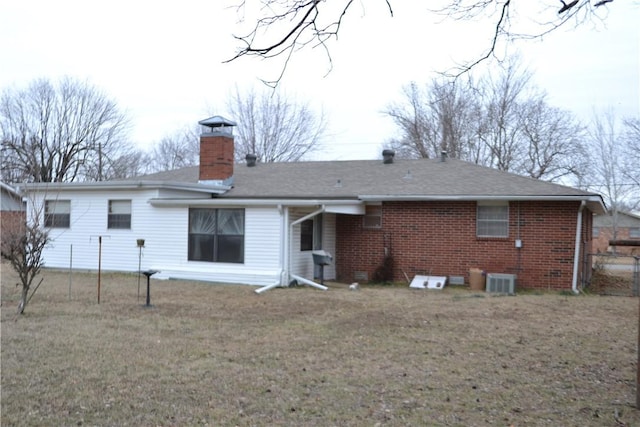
x: 614, y: 274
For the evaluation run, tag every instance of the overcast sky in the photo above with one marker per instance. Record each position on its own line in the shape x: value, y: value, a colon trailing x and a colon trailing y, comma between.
x: 162, y: 61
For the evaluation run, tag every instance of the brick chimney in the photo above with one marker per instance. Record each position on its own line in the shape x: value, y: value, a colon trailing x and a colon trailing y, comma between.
x: 216, y: 151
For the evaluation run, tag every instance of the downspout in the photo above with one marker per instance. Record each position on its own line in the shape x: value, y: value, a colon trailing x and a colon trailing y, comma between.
x: 576, y: 256
x: 284, y: 245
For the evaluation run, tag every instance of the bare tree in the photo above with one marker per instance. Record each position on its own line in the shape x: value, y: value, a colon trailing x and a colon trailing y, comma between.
x: 632, y: 137
x: 55, y: 132
x: 434, y: 119
x: 554, y: 142
x: 282, y: 28
x: 608, y: 163
x: 125, y: 162
x: 503, y: 122
x: 274, y: 126
x: 22, y: 245
x: 177, y: 150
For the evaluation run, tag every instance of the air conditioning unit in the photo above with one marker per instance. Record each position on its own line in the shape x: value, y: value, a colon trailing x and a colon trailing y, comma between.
x: 501, y: 283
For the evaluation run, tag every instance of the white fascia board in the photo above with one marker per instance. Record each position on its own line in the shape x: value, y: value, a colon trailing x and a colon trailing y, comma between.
x: 10, y: 189
x: 595, y: 202
x: 124, y: 185
x: 335, y: 206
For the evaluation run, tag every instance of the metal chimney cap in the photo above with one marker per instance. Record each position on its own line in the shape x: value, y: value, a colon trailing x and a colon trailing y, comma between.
x: 217, y: 121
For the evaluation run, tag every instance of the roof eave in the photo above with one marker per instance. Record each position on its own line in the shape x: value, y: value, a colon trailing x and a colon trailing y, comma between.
x: 125, y: 185
x: 594, y: 202
x: 252, y: 202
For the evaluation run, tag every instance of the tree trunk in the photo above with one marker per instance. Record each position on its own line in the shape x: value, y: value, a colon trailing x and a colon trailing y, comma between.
x: 23, y: 300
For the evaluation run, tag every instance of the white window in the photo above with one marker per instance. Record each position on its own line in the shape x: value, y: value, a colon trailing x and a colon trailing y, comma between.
x: 57, y: 213
x: 119, y: 214
x: 634, y: 232
x: 492, y: 220
x: 372, y: 216
x: 596, y: 232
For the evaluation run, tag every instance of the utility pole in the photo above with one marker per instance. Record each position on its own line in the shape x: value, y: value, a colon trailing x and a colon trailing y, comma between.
x: 99, y: 161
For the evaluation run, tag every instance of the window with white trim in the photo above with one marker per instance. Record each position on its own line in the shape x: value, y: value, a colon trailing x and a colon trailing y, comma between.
x: 119, y: 216
x: 216, y: 235
x: 634, y: 232
x: 306, y: 235
x: 57, y: 213
x: 492, y: 220
x: 372, y: 216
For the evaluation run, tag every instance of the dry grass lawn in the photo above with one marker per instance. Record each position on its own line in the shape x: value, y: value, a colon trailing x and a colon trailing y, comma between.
x: 221, y: 355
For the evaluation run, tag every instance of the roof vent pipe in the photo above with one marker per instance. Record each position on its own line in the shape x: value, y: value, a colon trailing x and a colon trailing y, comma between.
x: 387, y: 156
x: 443, y: 156
x: 251, y: 160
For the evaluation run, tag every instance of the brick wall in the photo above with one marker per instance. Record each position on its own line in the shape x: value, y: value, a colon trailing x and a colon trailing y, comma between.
x: 601, y: 243
x: 216, y: 157
x: 439, y: 238
x: 10, y: 221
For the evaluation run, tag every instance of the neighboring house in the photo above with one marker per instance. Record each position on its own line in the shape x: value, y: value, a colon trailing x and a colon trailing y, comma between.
x: 11, y: 207
x: 627, y: 227
x: 259, y: 223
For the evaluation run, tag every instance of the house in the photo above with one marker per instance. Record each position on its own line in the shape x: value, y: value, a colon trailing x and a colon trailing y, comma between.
x: 627, y: 227
x: 258, y: 224
x: 11, y: 208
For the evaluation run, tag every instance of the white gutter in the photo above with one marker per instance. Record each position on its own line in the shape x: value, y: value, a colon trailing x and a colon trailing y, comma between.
x: 227, y: 201
x: 471, y: 197
x: 576, y: 256
x: 306, y: 217
x: 124, y: 185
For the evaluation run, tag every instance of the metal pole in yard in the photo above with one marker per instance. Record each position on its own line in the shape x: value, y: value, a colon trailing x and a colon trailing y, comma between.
x: 70, y: 268
x: 99, y: 264
x: 139, y: 268
x: 140, y: 244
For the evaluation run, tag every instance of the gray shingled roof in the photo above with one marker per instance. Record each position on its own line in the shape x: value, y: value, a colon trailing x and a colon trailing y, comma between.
x: 352, y: 179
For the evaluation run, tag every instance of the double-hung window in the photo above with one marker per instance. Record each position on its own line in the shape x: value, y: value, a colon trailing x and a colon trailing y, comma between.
x: 119, y: 214
x: 492, y: 220
x: 57, y: 213
x: 216, y: 235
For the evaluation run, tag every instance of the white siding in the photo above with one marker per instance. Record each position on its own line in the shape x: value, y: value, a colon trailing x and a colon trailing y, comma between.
x: 88, y: 222
x: 165, y: 231
x: 9, y: 202
x: 262, y: 250
x: 329, y: 244
x: 302, y: 261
